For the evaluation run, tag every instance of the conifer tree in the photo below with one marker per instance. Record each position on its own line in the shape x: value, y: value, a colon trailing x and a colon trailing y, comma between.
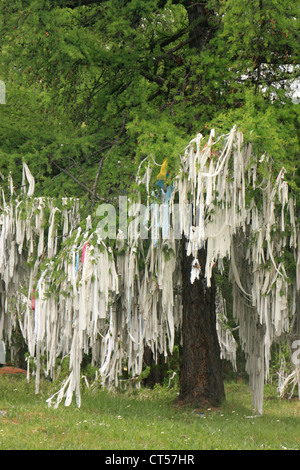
x: 94, y: 87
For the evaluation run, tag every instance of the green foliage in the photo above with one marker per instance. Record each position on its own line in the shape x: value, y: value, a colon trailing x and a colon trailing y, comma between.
x: 101, y: 86
x: 270, y: 128
x: 258, y: 42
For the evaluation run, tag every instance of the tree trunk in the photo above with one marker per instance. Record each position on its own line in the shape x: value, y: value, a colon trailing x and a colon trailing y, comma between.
x: 201, y: 379
x: 156, y: 372
x: 201, y: 28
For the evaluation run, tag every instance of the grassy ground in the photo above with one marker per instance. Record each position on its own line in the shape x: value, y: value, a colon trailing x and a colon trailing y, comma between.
x: 149, y: 419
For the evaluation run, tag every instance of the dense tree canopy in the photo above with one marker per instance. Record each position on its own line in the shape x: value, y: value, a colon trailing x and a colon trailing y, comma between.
x: 86, y: 82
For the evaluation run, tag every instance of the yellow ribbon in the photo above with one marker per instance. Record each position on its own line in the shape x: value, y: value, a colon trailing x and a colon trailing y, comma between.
x: 163, y: 171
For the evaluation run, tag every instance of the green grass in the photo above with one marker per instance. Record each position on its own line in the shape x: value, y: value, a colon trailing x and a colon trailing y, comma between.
x: 144, y: 420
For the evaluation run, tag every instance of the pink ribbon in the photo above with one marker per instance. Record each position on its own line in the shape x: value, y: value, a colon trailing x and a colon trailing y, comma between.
x: 83, y: 251
x: 33, y: 300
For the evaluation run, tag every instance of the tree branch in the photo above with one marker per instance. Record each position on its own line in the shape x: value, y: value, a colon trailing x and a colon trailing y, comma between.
x: 173, y: 38
x: 80, y: 183
x: 157, y: 79
x: 115, y: 142
x: 179, y: 46
x: 78, y: 3
x: 152, y: 78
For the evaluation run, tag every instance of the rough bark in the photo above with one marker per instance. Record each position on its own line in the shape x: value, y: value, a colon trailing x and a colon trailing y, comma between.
x: 201, y: 30
x: 201, y: 380
x: 156, y: 374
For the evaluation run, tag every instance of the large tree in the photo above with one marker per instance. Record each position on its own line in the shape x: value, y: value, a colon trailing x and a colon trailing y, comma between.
x: 112, y: 299
x: 86, y: 81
